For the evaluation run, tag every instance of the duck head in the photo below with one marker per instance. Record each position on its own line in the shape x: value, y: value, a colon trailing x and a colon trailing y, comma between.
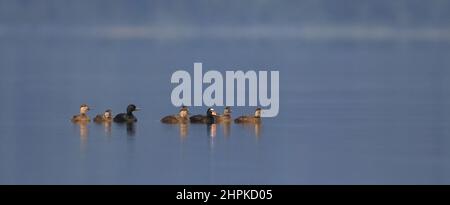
x: 131, y: 108
x: 184, y: 112
x: 227, y: 111
x: 258, y: 112
x: 84, y: 109
x: 107, y: 114
x: 210, y: 112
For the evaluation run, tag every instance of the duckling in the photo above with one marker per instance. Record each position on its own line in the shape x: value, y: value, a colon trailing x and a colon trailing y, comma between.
x: 250, y: 119
x: 105, y: 117
x: 182, y: 117
x: 208, y: 119
x: 128, y: 116
x: 82, y: 117
x: 225, y: 117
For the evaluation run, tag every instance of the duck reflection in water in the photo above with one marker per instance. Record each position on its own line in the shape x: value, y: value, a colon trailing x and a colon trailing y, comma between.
x: 211, y: 130
x: 258, y: 129
x: 106, y: 128
x: 253, y: 127
x: 226, y: 126
x: 183, y: 130
x: 83, y: 132
x: 131, y: 129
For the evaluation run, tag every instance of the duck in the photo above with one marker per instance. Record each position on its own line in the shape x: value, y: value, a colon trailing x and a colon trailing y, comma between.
x: 127, y: 117
x: 182, y: 117
x: 225, y: 117
x: 250, y: 119
x: 208, y: 119
x: 105, y: 117
x: 82, y: 117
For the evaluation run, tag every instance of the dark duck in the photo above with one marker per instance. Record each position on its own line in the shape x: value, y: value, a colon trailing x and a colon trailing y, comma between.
x: 250, y: 119
x: 105, y: 117
x: 208, y: 119
x: 225, y: 117
x: 82, y: 117
x: 182, y: 117
x: 127, y: 117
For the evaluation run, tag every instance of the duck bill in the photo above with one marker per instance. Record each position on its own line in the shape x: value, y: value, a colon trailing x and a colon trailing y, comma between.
x: 137, y: 109
x: 214, y: 113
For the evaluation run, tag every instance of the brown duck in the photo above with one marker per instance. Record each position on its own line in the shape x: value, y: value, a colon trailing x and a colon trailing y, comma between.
x: 82, y: 117
x: 250, y: 119
x: 181, y: 117
x: 105, y: 117
x: 225, y: 117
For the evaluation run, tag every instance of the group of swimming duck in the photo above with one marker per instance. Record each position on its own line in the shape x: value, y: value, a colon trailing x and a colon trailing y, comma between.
x: 182, y: 117
x: 211, y: 117
x: 127, y: 117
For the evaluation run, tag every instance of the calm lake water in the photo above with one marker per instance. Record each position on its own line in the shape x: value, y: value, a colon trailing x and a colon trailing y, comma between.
x: 352, y: 111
